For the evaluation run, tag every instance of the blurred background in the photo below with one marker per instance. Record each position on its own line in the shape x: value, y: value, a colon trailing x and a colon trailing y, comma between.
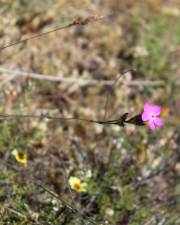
x: 131, y: 173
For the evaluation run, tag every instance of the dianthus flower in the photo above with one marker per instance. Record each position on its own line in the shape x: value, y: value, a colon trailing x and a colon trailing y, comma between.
x: 150, y: 115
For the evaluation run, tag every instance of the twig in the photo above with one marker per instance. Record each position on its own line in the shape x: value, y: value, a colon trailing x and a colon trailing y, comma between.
x: 57, y: 78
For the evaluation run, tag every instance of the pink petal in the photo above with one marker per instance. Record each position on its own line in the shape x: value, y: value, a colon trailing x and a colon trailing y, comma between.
x: 156, y: 109
x: 152, y: 125
x: 159, y: 122
x: 148, y: 107
x: 145, y: 116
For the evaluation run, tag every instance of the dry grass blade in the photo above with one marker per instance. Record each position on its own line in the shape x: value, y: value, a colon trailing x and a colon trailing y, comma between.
x: 66, y: 204
x: 19, y: 214
x: 79, y: 21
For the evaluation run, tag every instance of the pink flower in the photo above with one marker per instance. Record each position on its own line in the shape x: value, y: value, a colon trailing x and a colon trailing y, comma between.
x: 150, y: 115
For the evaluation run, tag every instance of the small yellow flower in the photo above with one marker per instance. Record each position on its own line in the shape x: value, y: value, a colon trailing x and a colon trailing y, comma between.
x: 77, y: 185
x: 20, y: 156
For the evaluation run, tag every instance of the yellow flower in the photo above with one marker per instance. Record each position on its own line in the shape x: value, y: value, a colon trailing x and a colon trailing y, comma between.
x: 20, y: 156
x: 77, y: 185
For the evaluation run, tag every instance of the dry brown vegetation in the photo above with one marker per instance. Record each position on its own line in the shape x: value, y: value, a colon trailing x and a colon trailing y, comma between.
x: 132, y: 173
